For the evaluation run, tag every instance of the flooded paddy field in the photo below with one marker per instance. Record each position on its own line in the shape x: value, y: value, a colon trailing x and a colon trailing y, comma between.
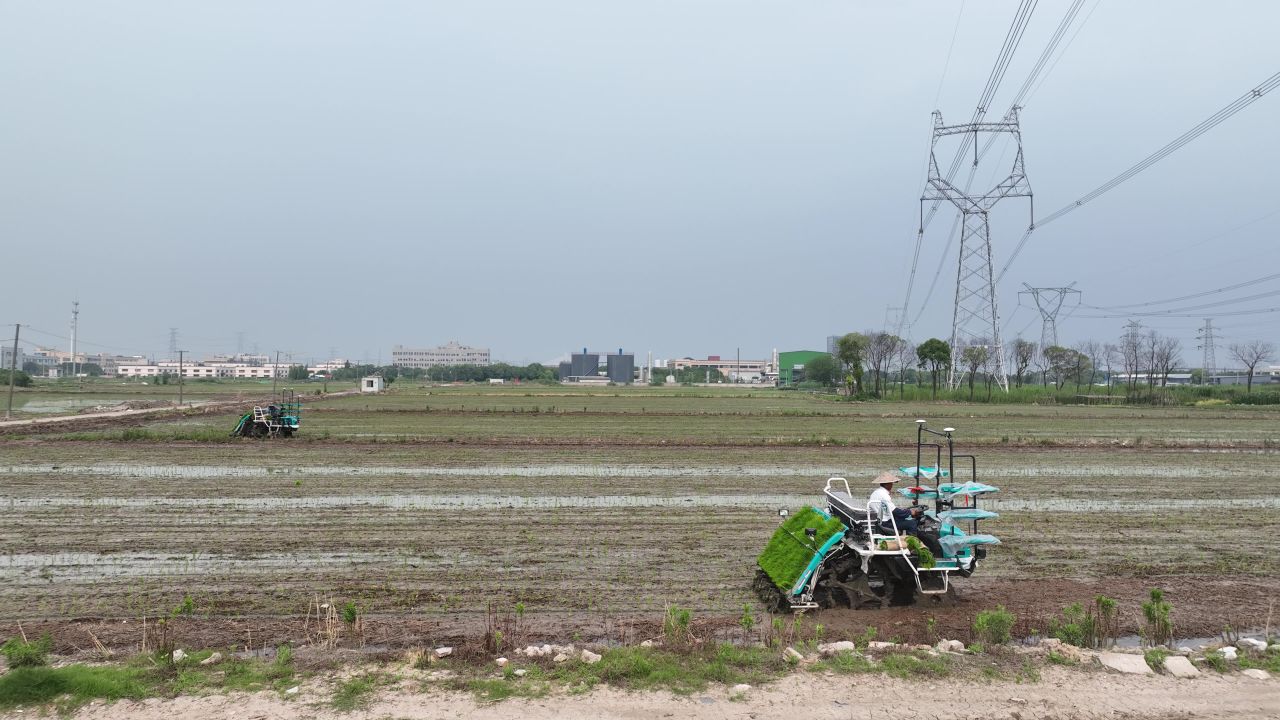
x: 639, y: 517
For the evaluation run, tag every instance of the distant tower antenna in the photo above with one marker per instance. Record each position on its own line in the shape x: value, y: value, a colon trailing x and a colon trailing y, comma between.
x: 976, y: 317
x: 173, y: 343
x: 1049, y: 301
x: 1207, y: 343
x: 239, y: 342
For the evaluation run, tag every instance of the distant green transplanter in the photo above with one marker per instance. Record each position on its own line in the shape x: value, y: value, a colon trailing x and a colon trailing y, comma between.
x: 789, y: 554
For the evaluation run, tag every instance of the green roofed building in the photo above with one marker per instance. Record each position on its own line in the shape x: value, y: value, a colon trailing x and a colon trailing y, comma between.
x: 791, y: 365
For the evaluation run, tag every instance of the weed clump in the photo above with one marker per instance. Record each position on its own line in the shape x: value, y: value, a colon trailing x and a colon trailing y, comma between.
x: 20, y: 653
x: 992, y: 626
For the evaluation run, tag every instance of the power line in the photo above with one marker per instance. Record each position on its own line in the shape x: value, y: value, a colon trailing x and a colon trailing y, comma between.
x: 1192, y: 296
x: 1213, y: 121
x: 947, y: 63
x: 1229, y: 313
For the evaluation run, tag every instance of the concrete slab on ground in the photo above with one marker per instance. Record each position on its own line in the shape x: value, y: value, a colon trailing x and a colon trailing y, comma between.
x: 1130, y: 664
x: 1179, y: 666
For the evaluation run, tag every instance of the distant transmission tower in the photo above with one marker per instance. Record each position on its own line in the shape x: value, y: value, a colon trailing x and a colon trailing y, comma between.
x: 895, y: 319
x: 976, y: 317
x: 1207, y: 342
x: 1049, y: 301
x: 173, y: 343
x: 75, y: 326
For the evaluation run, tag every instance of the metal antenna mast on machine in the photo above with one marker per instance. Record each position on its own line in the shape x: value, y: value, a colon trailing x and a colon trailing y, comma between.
x: 976, y: 317
x: 1207, y: 342
x: 1049, y: 302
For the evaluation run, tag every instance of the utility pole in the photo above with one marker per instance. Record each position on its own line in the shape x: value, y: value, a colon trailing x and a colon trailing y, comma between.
x: 1206, y: 338
x: 1049, y: 301
x: 275, y: 372
x: 75, y: 321
x: 976, y: 317
x: 13, y: 371
x: 181, y: 353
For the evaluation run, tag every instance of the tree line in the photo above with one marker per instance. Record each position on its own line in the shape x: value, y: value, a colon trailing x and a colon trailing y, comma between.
x: 871, y: 363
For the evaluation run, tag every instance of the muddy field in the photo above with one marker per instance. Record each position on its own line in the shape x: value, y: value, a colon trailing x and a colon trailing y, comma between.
x: 422, y: 505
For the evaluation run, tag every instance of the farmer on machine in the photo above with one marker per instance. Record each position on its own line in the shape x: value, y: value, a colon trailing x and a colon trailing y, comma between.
x: 882, y: 502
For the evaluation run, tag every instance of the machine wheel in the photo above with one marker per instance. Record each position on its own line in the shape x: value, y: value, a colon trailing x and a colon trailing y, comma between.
x: 286, y: 432
x: 260, y: 430
x: 843, y: 584
x: 770, y: 596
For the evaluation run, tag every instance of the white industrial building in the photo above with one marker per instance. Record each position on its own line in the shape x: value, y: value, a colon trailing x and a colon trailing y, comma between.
x: 451, y: 353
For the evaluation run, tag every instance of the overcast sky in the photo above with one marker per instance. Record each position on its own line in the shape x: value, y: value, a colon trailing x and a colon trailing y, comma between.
x: 680, y: 177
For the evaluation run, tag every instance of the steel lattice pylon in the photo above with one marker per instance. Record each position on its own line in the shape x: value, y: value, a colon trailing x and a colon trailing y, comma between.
x: 1049, y: 302
x: 976, y: 317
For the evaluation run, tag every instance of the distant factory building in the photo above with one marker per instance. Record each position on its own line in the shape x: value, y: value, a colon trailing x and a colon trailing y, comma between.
x: 745, y: 371
x: 791, y: 365
x: 451, y: 353
x: 585, y: 367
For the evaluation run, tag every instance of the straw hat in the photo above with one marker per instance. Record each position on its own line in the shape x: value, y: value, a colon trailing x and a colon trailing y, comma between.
x: 884, y: 478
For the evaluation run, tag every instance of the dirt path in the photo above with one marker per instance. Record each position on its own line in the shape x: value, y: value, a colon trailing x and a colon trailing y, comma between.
x: 1062, y: 694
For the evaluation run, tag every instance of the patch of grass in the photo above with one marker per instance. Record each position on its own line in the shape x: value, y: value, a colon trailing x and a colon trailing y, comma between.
x: 357, y: 692
x: 1269, y: 662
x: 1217, y: 662
x: 20, y: 653
x: 993, y: 626
x: 847, y: 663
x: 71, y: 686
x: 681, y: 673
x: 910, y: 666
x: 1155, y: 658
x: 1057, y: 659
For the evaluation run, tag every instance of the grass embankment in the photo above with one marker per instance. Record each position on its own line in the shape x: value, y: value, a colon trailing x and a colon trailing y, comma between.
x: 143, y: 676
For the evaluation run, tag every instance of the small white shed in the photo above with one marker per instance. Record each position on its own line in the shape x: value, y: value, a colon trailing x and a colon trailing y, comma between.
x: 372, y: 384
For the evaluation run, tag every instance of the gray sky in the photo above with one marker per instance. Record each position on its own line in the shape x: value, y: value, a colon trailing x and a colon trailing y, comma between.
x: 682, y: 177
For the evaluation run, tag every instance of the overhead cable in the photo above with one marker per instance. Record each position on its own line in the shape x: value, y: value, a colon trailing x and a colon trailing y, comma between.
x: 1213, y: 121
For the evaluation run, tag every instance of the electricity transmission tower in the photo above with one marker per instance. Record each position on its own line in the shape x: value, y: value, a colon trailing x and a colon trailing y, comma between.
x: 75, y: 327
x: 1049, y: 301
x: 173, y: 343
x: 1206, y: 337
x: 976, y: 317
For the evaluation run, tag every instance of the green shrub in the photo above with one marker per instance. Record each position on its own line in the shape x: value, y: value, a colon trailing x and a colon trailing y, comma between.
x: 992, y: 626
x: 19, y: 653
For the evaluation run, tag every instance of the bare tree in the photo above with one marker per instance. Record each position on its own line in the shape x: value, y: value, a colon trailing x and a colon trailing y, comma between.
x: 1168, y: 354
x: 1110, y: 356
x: 1091, y: 349
x: 1250, y: 354
x: 1020, y: 354
x: 906, y: 355
x: 1131, y: 357
x: 1043, y: 365
x: 881, y: 349
x: 975, y: 357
